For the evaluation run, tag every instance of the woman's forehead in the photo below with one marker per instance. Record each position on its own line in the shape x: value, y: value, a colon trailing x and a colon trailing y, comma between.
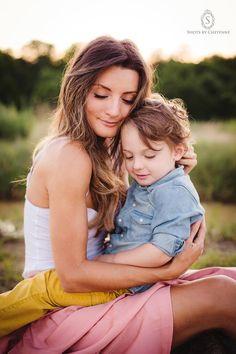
x: 116, y: 77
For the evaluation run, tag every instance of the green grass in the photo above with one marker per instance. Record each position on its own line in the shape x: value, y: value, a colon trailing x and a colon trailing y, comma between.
x: 221, y: 222
x: 217, y: 132
x: 213, y: 258
x: 215, y: 175
x: 229, y: 126
x: 9, y: 272
x: 12, y: 212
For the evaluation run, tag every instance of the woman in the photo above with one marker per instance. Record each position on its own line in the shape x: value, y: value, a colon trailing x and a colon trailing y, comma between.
x: 75, y: 183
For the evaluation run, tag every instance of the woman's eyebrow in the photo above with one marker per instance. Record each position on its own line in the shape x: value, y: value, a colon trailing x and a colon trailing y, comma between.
x: 107, y: 88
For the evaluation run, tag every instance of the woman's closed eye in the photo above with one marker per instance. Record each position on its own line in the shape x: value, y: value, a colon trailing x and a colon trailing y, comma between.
x: 128, y: 157
x: 101, y: 97
x: 128, y: 101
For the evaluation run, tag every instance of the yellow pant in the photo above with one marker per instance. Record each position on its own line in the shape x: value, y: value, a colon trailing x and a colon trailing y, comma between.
x: 34, y: 297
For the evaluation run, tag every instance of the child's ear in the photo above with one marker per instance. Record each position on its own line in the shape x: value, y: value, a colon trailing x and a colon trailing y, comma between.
x: 179, y: 151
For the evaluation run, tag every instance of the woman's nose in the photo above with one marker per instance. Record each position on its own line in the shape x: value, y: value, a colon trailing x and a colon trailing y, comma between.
x: 113, y: 108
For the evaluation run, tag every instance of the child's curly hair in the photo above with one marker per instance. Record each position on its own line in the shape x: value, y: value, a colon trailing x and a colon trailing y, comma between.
x: 161, y: 119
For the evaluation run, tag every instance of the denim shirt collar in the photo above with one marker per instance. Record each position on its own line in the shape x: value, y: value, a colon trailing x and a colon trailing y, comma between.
x: 177, y: 172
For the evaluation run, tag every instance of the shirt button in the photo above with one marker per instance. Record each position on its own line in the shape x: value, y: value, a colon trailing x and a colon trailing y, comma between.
x: 134, y: 205
x: 121, y: 235
x: 110, y: 245
x: 141, y: 220
x: 120, y: 220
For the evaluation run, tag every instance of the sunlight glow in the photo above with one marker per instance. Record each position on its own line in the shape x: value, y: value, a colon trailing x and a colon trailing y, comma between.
x: 155, y: 26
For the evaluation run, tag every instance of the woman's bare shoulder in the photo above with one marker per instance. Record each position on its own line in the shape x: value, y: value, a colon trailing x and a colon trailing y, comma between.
x: 62, y: 153
x: 67, y: 162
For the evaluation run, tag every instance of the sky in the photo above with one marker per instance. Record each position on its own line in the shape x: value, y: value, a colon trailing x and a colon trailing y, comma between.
x: 166, y: 27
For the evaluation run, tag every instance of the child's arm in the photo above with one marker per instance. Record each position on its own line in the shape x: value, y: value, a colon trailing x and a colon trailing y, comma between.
x: 146, y: 255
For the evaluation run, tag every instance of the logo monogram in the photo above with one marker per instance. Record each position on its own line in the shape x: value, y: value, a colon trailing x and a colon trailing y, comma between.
x: 207, y: 19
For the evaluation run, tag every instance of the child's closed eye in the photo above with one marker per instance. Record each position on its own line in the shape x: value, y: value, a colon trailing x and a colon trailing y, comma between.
x: 150, y: 157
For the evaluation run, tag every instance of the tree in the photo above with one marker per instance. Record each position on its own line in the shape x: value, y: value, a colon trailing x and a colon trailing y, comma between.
x: 35, y: 49
x: 207, y: 88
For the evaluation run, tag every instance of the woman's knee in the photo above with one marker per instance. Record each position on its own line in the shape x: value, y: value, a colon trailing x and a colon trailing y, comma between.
x: 209, y: 297
x: 220, y: 284
x: 201, y: 305
x: 221, y: 292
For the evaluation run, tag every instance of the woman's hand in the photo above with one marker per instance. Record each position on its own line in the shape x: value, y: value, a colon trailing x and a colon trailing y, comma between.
x: 194, y: 247
x: 189, y: 160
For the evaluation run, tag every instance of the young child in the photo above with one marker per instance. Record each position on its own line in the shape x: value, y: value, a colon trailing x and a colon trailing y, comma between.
x: 151, y: 227
x: 162, y: 202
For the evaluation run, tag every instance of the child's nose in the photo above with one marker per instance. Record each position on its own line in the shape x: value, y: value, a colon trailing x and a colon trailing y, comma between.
x: 137, y: 164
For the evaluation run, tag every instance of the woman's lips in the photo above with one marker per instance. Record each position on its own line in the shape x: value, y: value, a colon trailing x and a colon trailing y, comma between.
x: 109, y: 124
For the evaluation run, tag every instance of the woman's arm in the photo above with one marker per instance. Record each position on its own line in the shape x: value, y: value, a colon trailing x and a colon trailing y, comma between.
x: 67, y: 184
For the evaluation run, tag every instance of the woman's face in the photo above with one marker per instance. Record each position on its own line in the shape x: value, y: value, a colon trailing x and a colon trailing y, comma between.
x: 110, y: 100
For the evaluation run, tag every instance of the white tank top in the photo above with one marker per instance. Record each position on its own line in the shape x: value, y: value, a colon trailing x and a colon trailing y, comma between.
x: 38, y: 249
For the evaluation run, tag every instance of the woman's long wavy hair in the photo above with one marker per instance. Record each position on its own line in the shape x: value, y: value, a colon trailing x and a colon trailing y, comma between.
x: 106, y: 186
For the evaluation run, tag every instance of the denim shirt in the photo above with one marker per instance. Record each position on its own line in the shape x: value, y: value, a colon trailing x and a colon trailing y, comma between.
x: 160, y: 214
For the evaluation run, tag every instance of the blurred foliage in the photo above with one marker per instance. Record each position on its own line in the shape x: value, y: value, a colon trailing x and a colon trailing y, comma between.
x: 207, y: 88
x: 14, y: 124
x: 215, y: 175
x: 10, y: 274
x: 35, y: 77
x: 48, y: 86
x: 17, y: 80
x: 74, y: 48
x: 35, y: 49
x: 221, y: 223
x: 15, y: 160
x: 229, y: 126
x: 12, y: 211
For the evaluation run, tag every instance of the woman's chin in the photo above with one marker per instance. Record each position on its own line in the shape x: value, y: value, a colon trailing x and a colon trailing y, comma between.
x: 107, y: 133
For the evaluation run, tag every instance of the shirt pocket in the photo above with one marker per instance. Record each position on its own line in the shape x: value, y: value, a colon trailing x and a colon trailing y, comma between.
x: 141, y: 226
x: 141, y: 218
